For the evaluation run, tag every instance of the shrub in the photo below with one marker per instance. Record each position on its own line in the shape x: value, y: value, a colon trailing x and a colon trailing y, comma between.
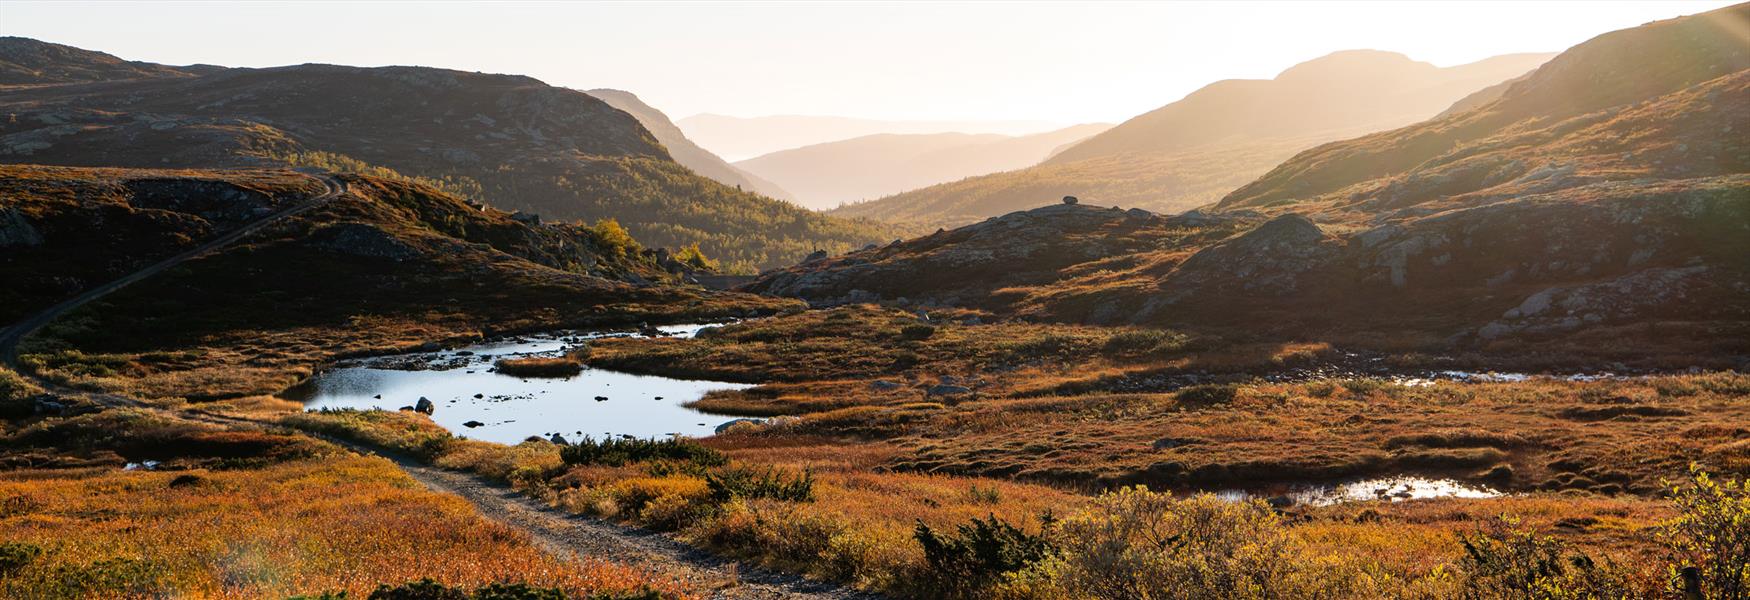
x: 1209, y: 394
x: 1710, y: 538
x: 1145, y: 341
x: 774, y: 484
x: 15, y: 394
x: 693, y: 257
x: 17, y: 555
x: 615, y: 452
x: 614, y: 239
x: 917, y: 331
x: 1504, y: 561
x: 1134, y: 543
x: 980, y: 554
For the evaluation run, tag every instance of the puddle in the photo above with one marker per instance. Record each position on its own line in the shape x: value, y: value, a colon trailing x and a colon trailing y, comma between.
x: 1382, y: 488
x: 509, y: 409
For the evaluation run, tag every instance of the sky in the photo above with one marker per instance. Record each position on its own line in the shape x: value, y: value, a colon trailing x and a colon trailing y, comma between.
x: 1057, y: 62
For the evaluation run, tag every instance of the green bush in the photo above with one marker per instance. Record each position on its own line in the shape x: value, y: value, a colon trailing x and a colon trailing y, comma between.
x: 1145, y: 341
x: 620, y: 451
x: 917, y: 332
x: 1135, y: 543
x: 1503, y: 561
x: 17, y: 555
x: 15, y: 394
x: 1209, y: 394
x: 1710, y: 538
x: 980, y: 554
x: 744, y: 483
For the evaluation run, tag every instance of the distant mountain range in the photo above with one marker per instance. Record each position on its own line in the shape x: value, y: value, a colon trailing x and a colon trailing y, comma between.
x: 511, y: 141
x: 1599, y: 204
x: 1193, y: 151
x: 741, y: 138
x: 827, y: 175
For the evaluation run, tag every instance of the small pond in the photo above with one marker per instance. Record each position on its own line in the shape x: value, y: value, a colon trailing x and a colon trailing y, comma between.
x: 464, y: 389
x: 1381, y: 488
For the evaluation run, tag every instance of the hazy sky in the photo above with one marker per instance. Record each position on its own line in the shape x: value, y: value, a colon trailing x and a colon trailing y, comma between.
x: 1060, y: 62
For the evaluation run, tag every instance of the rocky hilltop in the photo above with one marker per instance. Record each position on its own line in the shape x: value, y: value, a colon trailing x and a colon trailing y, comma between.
x: 26, y: 61
x: 511, y: 141
x: 1573, y: 210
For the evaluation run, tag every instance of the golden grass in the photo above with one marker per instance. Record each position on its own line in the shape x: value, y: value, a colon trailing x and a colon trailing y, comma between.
x: 345, y: 523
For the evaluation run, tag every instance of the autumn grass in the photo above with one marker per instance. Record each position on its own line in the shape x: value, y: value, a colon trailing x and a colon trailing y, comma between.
x: 540, y: 366
x: 344, y: 523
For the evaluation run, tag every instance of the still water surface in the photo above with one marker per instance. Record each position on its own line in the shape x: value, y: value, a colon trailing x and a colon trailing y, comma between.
x: 514, y: 408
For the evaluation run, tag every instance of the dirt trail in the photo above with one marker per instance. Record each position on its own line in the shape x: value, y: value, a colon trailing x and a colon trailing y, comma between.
x: 559, y: 533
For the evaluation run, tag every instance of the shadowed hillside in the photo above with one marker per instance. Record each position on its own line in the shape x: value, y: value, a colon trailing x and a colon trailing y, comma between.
x: 830, y: 174
x: 508, y: 140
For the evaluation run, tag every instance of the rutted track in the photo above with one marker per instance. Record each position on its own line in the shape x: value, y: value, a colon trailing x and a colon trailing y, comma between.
x: 9, y: 339
x: 560, y: 533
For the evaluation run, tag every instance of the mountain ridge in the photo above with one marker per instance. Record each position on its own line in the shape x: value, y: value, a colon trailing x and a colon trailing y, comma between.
x: 832, y: 173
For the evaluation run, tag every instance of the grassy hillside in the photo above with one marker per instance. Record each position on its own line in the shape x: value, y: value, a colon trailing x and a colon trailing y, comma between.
x: 862, y: 168
x: 1161, y: 182
x: 522, y: 144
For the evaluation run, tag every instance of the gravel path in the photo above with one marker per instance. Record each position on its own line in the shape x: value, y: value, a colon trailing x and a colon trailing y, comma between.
x: 571, y: 535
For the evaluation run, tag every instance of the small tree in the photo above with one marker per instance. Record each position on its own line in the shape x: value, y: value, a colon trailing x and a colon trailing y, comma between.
x: 693, y: 257
x: 614, y: 238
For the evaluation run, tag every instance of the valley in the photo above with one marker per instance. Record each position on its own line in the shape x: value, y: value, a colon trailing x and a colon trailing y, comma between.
x: 1372, y: 328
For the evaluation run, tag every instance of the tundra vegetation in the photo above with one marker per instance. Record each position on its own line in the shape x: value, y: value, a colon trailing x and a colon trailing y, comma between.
x: 1069, y: 402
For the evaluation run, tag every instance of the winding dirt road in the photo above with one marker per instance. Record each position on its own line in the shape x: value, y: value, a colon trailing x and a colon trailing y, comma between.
x: 562, y: 534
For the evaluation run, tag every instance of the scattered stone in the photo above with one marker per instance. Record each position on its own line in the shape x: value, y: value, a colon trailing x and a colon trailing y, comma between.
x: 425, y: 406
x: 472, y: 424
x: 1070, y: 200
x: 883, y: 386
x: 184, y: 480
x: 559, y: 439
x: 947, y: 390
x: 601, y: 398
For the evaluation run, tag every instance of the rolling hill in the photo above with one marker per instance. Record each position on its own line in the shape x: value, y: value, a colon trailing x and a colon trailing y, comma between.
x: 26, y: 61
x: 684, y: 150
x: 1598, y: 207
x: 1193, y: 151
x: 833, y: 173
x: 511, y: 141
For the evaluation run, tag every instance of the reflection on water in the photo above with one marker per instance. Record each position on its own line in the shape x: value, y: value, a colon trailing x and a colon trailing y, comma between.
x: 1382, y: 488
x: 510, y: 409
